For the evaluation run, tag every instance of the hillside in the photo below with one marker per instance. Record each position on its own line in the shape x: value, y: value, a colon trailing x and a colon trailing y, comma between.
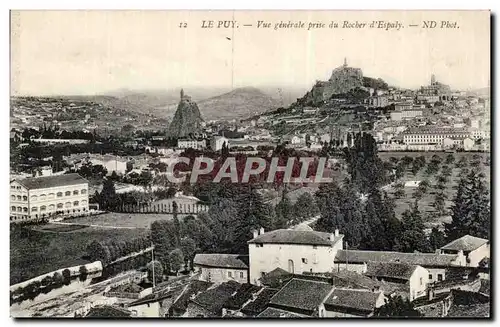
x: 237, y: 104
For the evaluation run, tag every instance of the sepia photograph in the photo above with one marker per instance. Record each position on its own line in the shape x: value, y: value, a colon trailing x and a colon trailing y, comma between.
x: 254, y: 164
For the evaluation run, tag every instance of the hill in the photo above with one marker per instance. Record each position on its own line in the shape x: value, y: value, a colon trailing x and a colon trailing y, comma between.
x: 187, y: 119
x: 238, y: 104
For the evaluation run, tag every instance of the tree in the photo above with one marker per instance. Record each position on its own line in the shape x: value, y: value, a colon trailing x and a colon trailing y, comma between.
x: 438, y: 203
x: 284, y: 213
x: 98, y: 252
x: 188, y: 247
x: 397, y: 307
x: 175, y: 260
x: 412, y: 237
x: 399, y: 190
x: 164, y: 237
x: 341, y: 208
x: 365, y: 167
x: 423, y: 186
x: 107, y: 197
x: 83, y: 270
x: 114, y: 176
x: 471, y: 209
x: 46, y: 281
x: 83, y: 273
x: 57, y: 279
x: 450, y: 158
x: 158, y: 272
x: 175, y: 213
x: 66, y: 274
x: 305, y: 207
x: 436, y: 239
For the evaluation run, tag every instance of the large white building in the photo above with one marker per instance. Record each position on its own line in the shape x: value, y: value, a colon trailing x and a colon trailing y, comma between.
x: 191, y: 143
x: 433, y: 135
x: 296, y: 251
x: 39, y: 197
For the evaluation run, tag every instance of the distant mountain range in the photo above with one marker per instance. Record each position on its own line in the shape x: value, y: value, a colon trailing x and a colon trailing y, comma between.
x: 213, y: 103
x: 239, y: 103
x: 482, y: 92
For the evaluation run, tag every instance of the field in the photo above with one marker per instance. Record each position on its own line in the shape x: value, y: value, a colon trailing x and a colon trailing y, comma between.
x: 425, y: 203
x: 34, y: 251
x: 130, y: 220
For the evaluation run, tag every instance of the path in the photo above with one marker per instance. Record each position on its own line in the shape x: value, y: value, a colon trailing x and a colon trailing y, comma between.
x: 93, y: 225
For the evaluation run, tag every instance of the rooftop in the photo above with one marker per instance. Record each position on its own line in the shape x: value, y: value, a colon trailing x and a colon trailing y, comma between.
x: 278, y: 313
x: 302, y: 294
x: 221, y: 260
x: 258, y: 305
x: 276, y: 277
x: 362, y: 300
x: 465, y: 243
x: 213, y: 299
x: 421, y: 259
x: 194, y: 287
x: 107, y: 311
x: 390, y: 270
x: 238, y: 299
x: 435, y: 130
x: 33, y: 183
x: 286, y: 236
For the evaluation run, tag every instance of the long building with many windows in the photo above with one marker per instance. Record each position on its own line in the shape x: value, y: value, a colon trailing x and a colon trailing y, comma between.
x: 40, y: 197
x: 433, y: 135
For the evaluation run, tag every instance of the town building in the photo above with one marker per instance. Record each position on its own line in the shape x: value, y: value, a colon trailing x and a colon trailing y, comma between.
x: 39, y: 197
x: 351, y: 303
x: 475, y: 249
x: 219, y: 268
x: 293, y: 250
x: 436, y: 263
x: 415, y: 278
x: 210, y: 303
x: 405, y: 112
x: 377, y: 101
x: 301, y: 296
x: 217, y: 142
x: 437, y: 88
x: 433, y: 135
x: 191, y: 143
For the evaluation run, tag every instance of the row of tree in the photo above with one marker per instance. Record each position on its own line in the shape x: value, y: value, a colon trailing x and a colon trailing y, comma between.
x: 109, y: 251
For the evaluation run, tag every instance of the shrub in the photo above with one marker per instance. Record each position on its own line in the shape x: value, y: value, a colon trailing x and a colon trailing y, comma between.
x: 83, y: 270
x: 57, y: 278
x: 66, y: 274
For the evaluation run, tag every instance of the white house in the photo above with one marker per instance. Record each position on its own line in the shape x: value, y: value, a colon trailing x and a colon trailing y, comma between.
x: 414, y: 278
x: 474, y: 249
x: 219, y: 267
x: 38, y: 197
x: 296, y: 251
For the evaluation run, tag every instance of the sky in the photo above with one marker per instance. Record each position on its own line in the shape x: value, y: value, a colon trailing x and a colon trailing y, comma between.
x: 94, y: 52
